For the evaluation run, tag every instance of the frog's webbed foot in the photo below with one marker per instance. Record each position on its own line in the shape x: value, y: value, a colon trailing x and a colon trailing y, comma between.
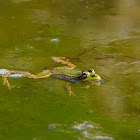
x: 5, y: 81
x: 68, y: 89
x: 96, y: 83
x: 64, y: 61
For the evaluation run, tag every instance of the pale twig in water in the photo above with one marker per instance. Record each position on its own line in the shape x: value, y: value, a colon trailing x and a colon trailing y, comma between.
x: 124, y: 63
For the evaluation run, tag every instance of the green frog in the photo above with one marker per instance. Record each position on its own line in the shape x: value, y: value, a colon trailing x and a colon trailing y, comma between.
x: 67, y: 72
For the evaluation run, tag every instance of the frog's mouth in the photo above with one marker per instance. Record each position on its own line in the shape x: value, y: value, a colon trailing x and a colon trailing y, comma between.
x: 97, y: 77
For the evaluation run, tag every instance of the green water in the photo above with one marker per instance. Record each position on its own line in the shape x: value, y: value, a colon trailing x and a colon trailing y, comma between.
x: 104, y: 35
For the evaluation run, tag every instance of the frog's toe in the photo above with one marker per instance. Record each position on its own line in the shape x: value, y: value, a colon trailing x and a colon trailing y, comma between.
x: 71, y: 93
x: 8, y: 85
x: 5, y: 82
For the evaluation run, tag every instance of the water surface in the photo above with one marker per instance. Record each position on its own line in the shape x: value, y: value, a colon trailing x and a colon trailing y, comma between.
x: 104, y: 35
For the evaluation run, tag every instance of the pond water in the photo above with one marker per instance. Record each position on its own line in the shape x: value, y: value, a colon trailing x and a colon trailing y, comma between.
x: 104, y: 35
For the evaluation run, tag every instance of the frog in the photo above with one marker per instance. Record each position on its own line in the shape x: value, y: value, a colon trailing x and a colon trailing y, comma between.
x: 67, y: 72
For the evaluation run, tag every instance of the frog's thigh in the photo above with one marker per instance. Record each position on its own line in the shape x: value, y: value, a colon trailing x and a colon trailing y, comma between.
x: 68, y: 89
x: 63, y: 60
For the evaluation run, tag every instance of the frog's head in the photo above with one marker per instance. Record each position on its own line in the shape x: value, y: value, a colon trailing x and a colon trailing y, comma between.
x: 92, y: 76
x: 91, y: 71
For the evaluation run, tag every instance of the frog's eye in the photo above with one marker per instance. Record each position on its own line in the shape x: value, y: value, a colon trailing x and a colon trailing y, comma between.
x: 85, y: 74
x: 91, y: 70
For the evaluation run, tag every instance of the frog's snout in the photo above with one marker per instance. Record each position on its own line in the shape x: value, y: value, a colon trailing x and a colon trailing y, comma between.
x: 98, y: 77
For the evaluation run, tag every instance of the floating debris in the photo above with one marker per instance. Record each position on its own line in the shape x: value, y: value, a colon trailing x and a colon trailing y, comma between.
x: 15, y: 76
x: 31, y: 47
x: 90, y: 136
x: 3, y: 71
x: 85, y: 121
x: 40, y: 32
x: 38, y: 39
x: 16, y: 49
x: 51, y: 127
x: 54, y: 40
x: 84, y: 126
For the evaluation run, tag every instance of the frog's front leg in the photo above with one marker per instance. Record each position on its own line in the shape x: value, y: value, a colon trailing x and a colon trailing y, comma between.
x: 95, y: 83
x: 44, y: 74
x: 68, y: 88
x: 64, y: 61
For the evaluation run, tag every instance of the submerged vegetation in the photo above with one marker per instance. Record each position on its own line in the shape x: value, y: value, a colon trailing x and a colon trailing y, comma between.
x: 54, y: 33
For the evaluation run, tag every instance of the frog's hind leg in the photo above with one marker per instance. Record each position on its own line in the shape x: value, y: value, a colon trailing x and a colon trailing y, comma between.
x: 5, y: 80
x: 44, y: 74
x: 68, y: 88
x: 64, y: 61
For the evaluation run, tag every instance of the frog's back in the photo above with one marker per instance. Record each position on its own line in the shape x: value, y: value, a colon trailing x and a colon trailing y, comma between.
x: 66, y: 74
